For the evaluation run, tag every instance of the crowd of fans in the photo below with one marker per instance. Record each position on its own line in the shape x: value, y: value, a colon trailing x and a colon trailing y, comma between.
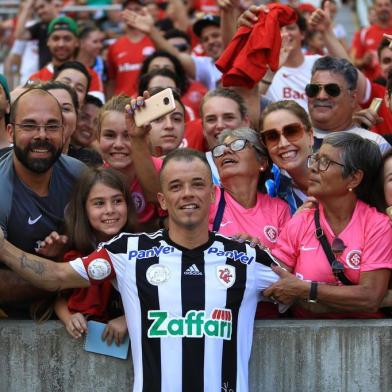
x: 276, y: 97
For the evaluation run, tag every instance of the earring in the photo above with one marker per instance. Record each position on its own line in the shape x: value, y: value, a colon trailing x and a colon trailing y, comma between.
x: 350, y: 189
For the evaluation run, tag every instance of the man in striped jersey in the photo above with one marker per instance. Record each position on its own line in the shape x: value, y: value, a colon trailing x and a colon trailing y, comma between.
x: 189, y: 295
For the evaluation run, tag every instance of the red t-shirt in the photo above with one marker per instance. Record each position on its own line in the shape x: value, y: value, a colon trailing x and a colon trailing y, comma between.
x: 367, y: 41
x: 193, y: 96
x: 92, y: 301
x: 194, y: 135
x: 46, y: 73
x: 125, y: 59
x: 385, y: 127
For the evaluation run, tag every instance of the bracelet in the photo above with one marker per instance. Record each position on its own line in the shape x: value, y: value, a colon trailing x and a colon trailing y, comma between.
x: 266, y: 82
x: 313, y: 293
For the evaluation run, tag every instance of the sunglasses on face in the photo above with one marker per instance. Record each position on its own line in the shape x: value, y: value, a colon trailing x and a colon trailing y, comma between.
x: 386, y: 60
x: 313, y: 89
x: 291, y: 132
x: 236, y: 145
x: 182, y: 47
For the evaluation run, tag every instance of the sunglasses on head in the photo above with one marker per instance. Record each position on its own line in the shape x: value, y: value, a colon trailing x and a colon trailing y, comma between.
x: 291, y: 132
x: 313, y: 89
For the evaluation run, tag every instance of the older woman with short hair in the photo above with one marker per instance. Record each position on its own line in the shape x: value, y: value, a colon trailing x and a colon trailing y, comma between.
x: 240, y: 206
x: 340, y: 253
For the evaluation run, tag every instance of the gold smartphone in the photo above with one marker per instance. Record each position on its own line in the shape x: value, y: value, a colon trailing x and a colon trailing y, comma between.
x: 375, y: 105
x: 154, y: 107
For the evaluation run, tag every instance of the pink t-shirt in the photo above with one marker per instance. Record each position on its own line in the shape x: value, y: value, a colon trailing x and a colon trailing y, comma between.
x: 265, y: 220
x: 368, y: 240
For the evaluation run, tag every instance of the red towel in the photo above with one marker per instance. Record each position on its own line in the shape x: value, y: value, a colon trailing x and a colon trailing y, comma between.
x: 246, y: 59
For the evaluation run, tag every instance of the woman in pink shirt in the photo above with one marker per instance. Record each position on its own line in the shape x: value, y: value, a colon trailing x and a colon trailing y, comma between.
x: 240, y: 206
x: 344, y: 225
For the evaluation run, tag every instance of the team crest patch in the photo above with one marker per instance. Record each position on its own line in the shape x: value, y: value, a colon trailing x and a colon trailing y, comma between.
x: 226, y: 275
x: 271, y: 233
x: 139, y: 202
x: 157, y: 274
x: 99, y: 269
x: 353, y: 259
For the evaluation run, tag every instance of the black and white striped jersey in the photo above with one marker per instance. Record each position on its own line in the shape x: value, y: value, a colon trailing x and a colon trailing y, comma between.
x: 190, y: 313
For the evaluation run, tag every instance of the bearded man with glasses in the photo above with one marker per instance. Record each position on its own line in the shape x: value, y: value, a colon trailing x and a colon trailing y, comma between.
x: 332, y: 100
x: 36, y: 181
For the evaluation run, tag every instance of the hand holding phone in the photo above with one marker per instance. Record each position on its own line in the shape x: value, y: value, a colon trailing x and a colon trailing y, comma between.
x: 154, y: 107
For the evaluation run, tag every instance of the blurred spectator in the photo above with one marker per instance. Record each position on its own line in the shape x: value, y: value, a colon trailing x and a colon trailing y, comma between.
x: 63, y: 43
x: 126, y: 55
x: 91, y: 45
x: 191, y: 91
x: 84, y: 141
x: 5, y: 104
x: 167, y: 132
x: 76, y: 75
x: 364, y: 51
x: 200, y: 68
x: 36, y: 184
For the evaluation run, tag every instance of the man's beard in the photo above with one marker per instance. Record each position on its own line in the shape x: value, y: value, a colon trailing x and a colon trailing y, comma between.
x: 37, y: 165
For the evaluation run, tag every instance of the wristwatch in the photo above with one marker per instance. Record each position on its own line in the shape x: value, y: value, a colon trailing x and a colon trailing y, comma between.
x: 313, y: 293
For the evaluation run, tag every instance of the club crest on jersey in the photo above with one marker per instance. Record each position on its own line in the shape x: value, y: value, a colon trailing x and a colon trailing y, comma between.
x: 147, y: 253
x: 195, y: 324
x: 226, y: 275
x: 271, y: 233
x: 99, y: 269
x: 353, y: 259
x: 157, y: 274
x: 232, y: 254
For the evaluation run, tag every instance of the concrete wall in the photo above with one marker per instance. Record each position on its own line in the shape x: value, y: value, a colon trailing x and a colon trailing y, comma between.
x: 287, y: 356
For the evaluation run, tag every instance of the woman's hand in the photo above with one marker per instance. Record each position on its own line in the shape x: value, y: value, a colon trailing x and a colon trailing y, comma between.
x: 116, y: 329
x: 76, y: 325
x: 53, y: 245
x: 309, y: 203
x: 367, y: 118
x: 288, y: 289
x: 135, y: 104
x: 251, y: 15
x: 242, y: 237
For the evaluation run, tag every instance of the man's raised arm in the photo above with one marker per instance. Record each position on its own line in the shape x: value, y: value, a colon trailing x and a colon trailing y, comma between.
x: 41, y: 272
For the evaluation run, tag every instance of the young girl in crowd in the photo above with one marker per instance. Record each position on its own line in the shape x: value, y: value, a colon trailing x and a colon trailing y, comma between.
x: 100, y: 209
x: 119, y: 153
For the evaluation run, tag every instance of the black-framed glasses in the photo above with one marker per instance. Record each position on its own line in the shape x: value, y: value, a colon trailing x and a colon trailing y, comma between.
x: 291, y: 132
x: 32, y: 127
x: 313, y: 89
x: 235, y: 145
x: 322, y: 162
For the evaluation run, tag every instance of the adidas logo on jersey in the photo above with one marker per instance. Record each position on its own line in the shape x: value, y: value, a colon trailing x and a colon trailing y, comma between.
x: 192, y: 270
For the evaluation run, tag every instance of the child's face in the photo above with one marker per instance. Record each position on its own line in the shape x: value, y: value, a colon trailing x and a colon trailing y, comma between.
x: 106, y: 211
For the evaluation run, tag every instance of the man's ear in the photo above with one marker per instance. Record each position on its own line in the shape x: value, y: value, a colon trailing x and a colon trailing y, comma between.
x: 162, y: 201
x: 10, y: 133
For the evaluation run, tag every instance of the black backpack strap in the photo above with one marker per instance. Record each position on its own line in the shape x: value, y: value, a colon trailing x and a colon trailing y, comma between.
x: 220, y: 211
x: 337, y: 266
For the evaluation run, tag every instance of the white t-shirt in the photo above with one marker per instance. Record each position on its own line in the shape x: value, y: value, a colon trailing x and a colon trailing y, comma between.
x: 206, y: 71
x: 289, y: 83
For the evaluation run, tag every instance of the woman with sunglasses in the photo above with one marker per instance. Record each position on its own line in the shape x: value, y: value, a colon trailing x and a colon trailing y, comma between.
x: 339, y: 253
x: 240, y: 206
x: 288, y: 135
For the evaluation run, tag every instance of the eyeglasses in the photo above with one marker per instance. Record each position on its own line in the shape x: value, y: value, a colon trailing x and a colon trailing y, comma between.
x: 236, y: 145
x: 313, y: 89
x: 291, y: 132
x: 322, y: 162
x: 31, y: 127
x: 338, y: 247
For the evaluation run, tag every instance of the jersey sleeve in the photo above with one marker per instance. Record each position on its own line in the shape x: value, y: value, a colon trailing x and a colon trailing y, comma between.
x: 97, y: 267
x: 263, y: 272
x: 377, y: 253
x: 112, y: 68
